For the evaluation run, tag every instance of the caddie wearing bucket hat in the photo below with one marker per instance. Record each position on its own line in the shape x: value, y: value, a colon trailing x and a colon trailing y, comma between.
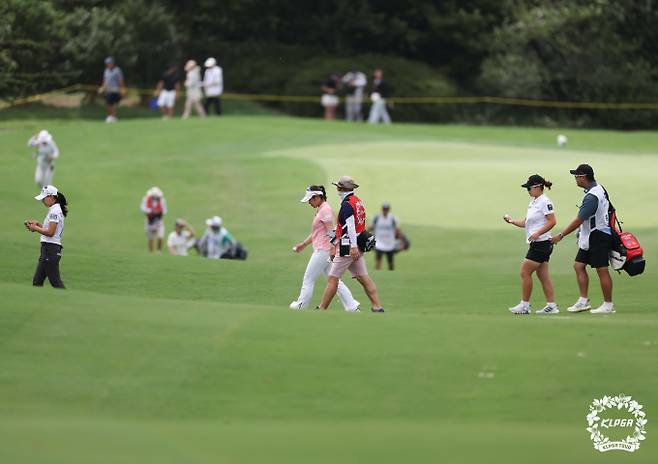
x: 154, y: 206
x: 594, y: 240
x: 346, y: 254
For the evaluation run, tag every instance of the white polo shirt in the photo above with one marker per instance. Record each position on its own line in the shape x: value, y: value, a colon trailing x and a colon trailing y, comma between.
x: 180, y: 243
x: 55, y: 214
x: 535, y: 219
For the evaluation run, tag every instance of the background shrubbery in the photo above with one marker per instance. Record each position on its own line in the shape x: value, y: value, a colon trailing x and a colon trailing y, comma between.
x: 544, y: 49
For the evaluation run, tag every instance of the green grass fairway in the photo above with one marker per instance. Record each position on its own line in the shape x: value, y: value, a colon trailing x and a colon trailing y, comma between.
x: 160, y: 359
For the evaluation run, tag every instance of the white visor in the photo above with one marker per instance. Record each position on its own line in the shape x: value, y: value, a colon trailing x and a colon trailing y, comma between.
x: 310, y: 194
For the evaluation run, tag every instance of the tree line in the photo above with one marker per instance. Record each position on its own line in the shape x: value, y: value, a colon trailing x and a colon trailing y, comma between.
x: 594, y: 50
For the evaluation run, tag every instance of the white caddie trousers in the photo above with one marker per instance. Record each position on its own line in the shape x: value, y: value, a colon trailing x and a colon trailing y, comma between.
x: 378, y: 112
x: 44, y: 174
x: 319, y: 265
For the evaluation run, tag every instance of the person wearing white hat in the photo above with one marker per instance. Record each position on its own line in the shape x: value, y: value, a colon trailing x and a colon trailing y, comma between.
x: 51, y: 236
x: 319, y: 263
x: 193, y: 90
x: 217, y: 242
x: 46, y: 154
x: 213, y: 85
x: 154, y: 206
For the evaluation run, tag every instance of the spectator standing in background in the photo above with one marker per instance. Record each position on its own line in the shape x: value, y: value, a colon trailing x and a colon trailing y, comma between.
x: 329, y: 98
x: 154, y: 206
x: 213, y: 85
x: 181, y: 239
x: 193, y: 89
x: 166, y: 91
x: 46, y: 154
x: 386, y: 229
x: 355, y: 81
x: 113, y: 87
x: 380, y: 92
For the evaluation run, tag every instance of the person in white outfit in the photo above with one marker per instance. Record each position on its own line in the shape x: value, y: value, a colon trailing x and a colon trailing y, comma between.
x: 355, y: 81
x: 46, y: 154
x: 217, y: 242
x: 154, y: 207
x: 193, y: 92
x: 181, y: 239
x: 320, y: 263
x: 538, y: 222
x: 213, y: 86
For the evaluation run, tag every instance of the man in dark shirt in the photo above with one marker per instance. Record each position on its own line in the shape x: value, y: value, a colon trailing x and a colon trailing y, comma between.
x: 380, y: 93
x: 166, y: 91
x: 594, y: 240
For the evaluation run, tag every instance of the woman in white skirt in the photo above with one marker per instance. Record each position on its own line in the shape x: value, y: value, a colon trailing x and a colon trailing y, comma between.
x: 193, y: 93
x: 319, y: 264
x: 329, y: 98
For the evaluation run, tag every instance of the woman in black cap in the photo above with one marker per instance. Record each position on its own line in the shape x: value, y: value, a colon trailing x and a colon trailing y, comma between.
x: 539, y: 220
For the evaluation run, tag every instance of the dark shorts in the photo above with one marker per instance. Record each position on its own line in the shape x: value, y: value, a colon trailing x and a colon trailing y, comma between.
x: 112, y: 98
x: 540, y: 252
x: 600, y: 245
x: 389, y: 254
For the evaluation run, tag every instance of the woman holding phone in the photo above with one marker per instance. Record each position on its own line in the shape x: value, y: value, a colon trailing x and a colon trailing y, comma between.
x: 51, y: 236
x: 539, y: 220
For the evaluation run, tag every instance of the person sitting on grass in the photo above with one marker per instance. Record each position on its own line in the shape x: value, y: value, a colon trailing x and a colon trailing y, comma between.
x: 217, y: 242
x: 181, y: 239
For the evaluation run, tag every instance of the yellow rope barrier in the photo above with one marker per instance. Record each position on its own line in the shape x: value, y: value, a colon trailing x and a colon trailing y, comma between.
x: 525, y: 102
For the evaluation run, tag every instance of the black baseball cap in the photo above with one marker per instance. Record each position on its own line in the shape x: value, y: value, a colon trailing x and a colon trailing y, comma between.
x: 534, y: 179
x: 583, y: 170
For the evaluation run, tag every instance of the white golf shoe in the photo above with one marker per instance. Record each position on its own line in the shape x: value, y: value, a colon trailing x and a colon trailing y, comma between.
x: 520, y: 308
x: 548, y: 309
x: 296, y: 305
x: 578, y: 307
x: 603, y: 309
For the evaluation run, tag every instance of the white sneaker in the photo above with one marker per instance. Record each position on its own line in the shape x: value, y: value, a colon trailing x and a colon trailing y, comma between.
x: 520, y: 308
x: 578, y: 307
x: 110, y: 119
x: 603, y: 309
x: 296, y: 305
x: 548, y: 309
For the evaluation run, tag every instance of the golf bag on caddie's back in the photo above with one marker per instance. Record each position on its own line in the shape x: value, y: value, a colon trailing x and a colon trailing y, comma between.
x: 626, y: 253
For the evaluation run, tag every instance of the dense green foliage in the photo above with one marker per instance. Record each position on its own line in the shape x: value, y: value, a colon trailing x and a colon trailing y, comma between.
x: 164, y: 359
x: 560, y: 50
